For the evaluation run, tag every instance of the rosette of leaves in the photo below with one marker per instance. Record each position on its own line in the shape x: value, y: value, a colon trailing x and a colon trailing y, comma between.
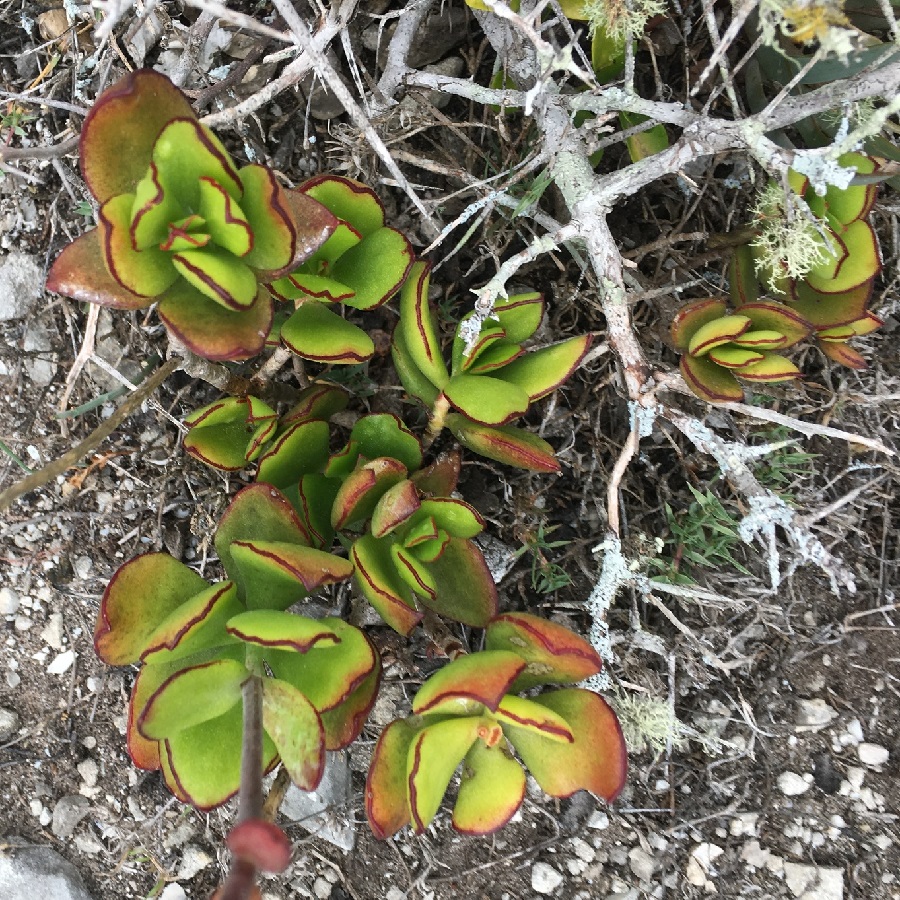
x: 718, y: 347
x: 361, y: 265
x: 198, y: 644
x: 180, y: 224
x: 471, y: 712
x: 489, y: 384
x: 231, y: 432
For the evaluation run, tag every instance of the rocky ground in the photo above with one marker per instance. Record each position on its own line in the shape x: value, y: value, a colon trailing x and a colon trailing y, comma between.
x: 764, y: 723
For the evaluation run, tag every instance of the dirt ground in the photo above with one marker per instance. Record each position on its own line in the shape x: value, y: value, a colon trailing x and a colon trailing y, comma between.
x: 777, y: 777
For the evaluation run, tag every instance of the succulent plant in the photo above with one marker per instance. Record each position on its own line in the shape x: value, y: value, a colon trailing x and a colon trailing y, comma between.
x: 199, y: 643
x: 717, y: 348
x: 471, y: 713
x: 490, y: 383
x: 361, y: 265
x: 180, y: 224
x: 231, y: 432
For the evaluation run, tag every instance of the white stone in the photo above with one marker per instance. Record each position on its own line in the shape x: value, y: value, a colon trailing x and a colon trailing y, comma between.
x: 872, y: 754
x: 83, y: 566
x: 544, y: 878
x: 743, y: 823
x: 583, y: 850
x: 9, y: 724
x: 641, y: 863
x: 854, y: 729
x: 20, y: 285
x: 755, y: 855
x: 855, y: 776
x: 193, y: 861
x: 792, y: 785
x: 61, y: 663
x: 813, y: 883
x: 813, y: 715
x: 89, y: 771
x: 52, y: 632
x: 173, y: 891
x: 322, y: 888
x: 9, y: 601
x: 395, y: 894
x: 598, y: 820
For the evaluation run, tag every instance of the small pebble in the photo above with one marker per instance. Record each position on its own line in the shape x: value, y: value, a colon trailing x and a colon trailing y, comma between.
x: 792, y: 785
x: 173, y: 891
x: 67, y: 813
x: 9, y: 602
x: 9, y: 723
x: 83, y: 566
x: 641, y: 863
x: 872, y: 754
x: 544, y: 878
x: 812, y: 715
x: 322, y: 888
x: 193, y: 861
x: 61, y: 663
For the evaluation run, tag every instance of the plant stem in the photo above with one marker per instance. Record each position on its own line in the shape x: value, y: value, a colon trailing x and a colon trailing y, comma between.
x: 436, y: 422
x: 251, y: 798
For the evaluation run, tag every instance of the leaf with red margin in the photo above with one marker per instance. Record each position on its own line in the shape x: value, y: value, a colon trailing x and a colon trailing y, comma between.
x: 769, y: 315
x: 433, y: 756
x: 80, y: 272
x: 259, y: 512
x: 731, y: 356
x: 531, y: 716
x: 209, y: 329
x: 140, y: 595
x: 397, y: 505
x: 470, y: 684
x: 411, y: 377
x: 520, y: 315
x: 328, y: 675
x: 553, y: 653
x: 387, y: 808
x: 344, y: 722
x: 689, y: 319
x: 486, y: 400
x: 456, y: 517
x: 379, y: 583
x: 465, y: 589
x: 843, y: 354
x: 414, y: 572
x: 294, y: 726
x: 145, y: 272
x: 441, y: 477
x: 375, y: 268
x: 359, y: 494
x: 301, y: 286
x: 709, y: 381
x: 384, y: 434
x: 826, y: 310
x: 506, y: 444
x: 278, y: 630
x: 855, y: 201
x: 347, y: 199
x: 719, y: 331
x: 192, y: 696
x: 857, y: 262
x: 417, y: 327
x: 231, y: 432
x: 315, y: 332
x: 225, y: 220
x: 742, y: 281
x: 597, y: 760
x: 144, y: 753
x: 315, y: 497
x: 541, y: 372
x: 772, y: 368
x: 203, y: 763
x: 298, y: 451
x: 217, y: 274
x: 491, y: 790
x: 113, y: 157
x: 318, y: 401
x: 198, y: 624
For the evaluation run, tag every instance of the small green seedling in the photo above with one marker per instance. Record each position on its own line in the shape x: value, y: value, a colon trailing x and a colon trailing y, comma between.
x: 180, y: 224
x: 471, y: 713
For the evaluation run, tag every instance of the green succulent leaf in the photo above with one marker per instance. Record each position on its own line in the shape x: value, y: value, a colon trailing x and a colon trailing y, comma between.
x: 294, y: 726
x: 520, y: 315
x: 731, y: 356
x: 375, y: 268
x: 344, y: 722
x: 299, y: 450
x: 553, y: 654
x: 386, y: 435
x: 720, y: 331
x: 378, y: 581
x: 318, y: 401
x: 690, y: 318
x: 411, y: 376
x: 542, y: 371
x: 218, y: 275
x: 455, y: 517
x: 470, y: 684
x: 141, y: 595
x: 491, y: 790
x: 191, y: 697
x: 645, y: 143
x: 771, y: 368
x: 530, y: 716
x: 277, y: 630
x: 709, y: 381
x: 440, y: 478
x: 396, y: 506
x: 359, y: 494
x: 225, y: 220
x: 465, y: 589
x: 417, y: 328
x: 348, y: 200
x: 231, y: 432
x: 841, y: 353
x: 316, y: 496
x: 826, y: 310
x: 768, y: 315
x: 486, y: 400
x: 857, y: 261
x: 318, y: 333
x: 414, y: 572
x: 433, y: 757
x: 742, y: 280
x: 595, y: 761
x: 387, y: 808
x: 506, y: 444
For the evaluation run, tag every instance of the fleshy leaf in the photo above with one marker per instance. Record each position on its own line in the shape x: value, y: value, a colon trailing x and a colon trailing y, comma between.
x: 440, y: 478
x: 596, y: 761
x: 375, y: 268
x: 465, y: 589
x: 318, y: 401
x: 420, y: 338
x: 830, y: 309
x: 506, y: 444
x: 113, y: 158
x: 719, y: 331
x: 209, y: 329
x: 692, y: 317
x: 141, y: 594
x: 225, y: 220
x: 491, y: 790
x: 397, y: 505
x: 144, y: 753
x: 456, y: 517
x: 843, y: 354
x: 383, y: 434
x: 486, y: 400
x: 218, y: 275
x: 414, y: 572
x: 281, y: 630
x: 298, y: 451
x: 315, y: 498
x: 469, y: 684
x: 520, y: 315
x: 411, y: 377
x: 362, y: 489
x: 768, y: 315
x: 344, y: 722
x: 316, y: 332
x: 191, y: 697
x: 231, y: 432
x: 858, y: 262
x: 433, y: 757
x: 380, y: 584
x: 542, y: 371
x: 732, y: 356
x: 533, y: 717
x: 80, y: 272
x: 387, y: 808
x: 742, y: 281
x: 293, y: 724
x: 771, y: 368
x: 347, y: 199
x: 553, y: 653
x: 709, y: 381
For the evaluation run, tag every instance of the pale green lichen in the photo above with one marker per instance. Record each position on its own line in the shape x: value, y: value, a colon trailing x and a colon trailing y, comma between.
x: 618, y: 18
x: 648, y: 723
x: 805, y: 22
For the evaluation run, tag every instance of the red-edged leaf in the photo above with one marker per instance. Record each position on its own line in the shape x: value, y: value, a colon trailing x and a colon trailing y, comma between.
x: 279, y: 630
x: 344, y: 722
x: 384, y: 434
x: 141, y: 595
x: 397, y: 505
x: 375, y: 268
x: 856, y: 263
x: 470, y: 684
x: 298, y: 451
x: 553, y: 653
x: 843, y: 354
x: 218, y: 275
x: 316, y: 332
x: 507, y: 444
x: 486, y: 400
x: 542, y: 371
x: 144, y: 753
x: 491, y: 790
x: 225, y: 220
x: 293, y: 724
x: 387, y: 808
x: 414, y: 381
x: 719, y: 331
x: 465, y: 589
x: 533, y: 717
x: 209, y: 329
x: 349, y: 200
x: 416, y: 573
x: 768, y: 315
x: 380, y: 584
x: 772, y: 368
x: 827, y: 310
x: 419, y: 333
x: 520, y: 315
x: 742, y: 281
x: 731, y: 356
x: 362, y: 489
x: 709, y: 381
x: 596, y: 761
x: 455, y: 517
x: 318, y: 401
x: 440, y: 478
x: 80, y: 272
x: 114, y: 158
x: 692, y: 317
